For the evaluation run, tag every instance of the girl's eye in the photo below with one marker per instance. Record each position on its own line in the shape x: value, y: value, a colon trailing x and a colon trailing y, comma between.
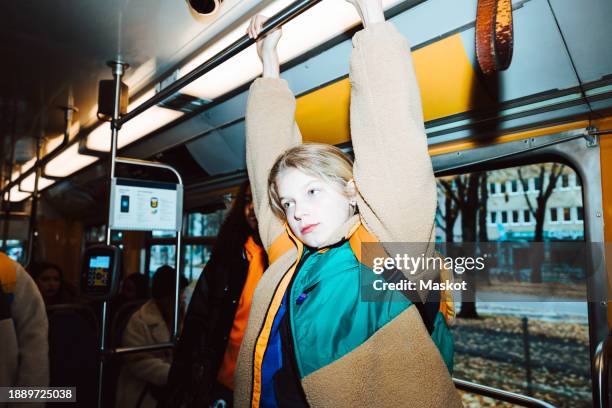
x: 286, y: 205
x: 313, y: 191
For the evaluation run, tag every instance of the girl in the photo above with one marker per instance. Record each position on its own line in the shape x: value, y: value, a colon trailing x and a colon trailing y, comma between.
x: 311, y: 339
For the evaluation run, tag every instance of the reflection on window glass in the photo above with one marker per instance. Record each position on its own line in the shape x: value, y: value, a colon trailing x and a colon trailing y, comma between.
x: 205, y: 225
x: 14, y: 249
x: 161, y: 255
x: 163, y: 234
x: 530, y: 347
x: 196, y: 257
x: 96, y: 233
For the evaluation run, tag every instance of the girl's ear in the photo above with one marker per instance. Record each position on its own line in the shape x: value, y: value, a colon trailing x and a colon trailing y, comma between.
x: 351, y: 190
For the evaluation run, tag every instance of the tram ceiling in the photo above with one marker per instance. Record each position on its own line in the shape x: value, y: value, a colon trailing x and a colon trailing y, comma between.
x: 539, y: 87
x: 54, y: 54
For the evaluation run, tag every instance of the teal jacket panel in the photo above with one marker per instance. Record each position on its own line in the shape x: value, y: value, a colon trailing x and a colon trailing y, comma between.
x: 328, y: 317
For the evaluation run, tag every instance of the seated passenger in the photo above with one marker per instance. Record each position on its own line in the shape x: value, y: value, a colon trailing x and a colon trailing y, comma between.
x: 23, y: 329
x: 144, y: 375
x: 205, y: 359
x: 133, y: 288
x: 50, y: 280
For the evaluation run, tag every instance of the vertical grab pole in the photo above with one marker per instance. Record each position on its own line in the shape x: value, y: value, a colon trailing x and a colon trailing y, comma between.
x: 175, y: 327
x: 179, y: 235
x: 118, y: 68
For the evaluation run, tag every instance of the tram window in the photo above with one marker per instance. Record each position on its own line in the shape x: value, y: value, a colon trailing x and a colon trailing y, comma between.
x: 205, y: 224
x: 161, y: 255
x: 196, y: 257
x: 491, y: 338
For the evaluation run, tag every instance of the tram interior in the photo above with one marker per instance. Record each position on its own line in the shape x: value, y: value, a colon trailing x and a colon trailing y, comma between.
x: 498, y: 142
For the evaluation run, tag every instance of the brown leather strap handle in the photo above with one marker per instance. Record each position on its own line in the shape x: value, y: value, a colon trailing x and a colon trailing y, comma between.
x: 494, y: 35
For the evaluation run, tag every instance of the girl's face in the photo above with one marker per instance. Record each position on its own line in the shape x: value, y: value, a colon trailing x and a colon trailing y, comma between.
x: 49, y: 282
x: 314, y: 208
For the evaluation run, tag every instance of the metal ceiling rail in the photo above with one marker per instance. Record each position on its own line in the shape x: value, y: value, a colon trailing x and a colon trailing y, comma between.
x: 280, y: 18
x: 40, y: 163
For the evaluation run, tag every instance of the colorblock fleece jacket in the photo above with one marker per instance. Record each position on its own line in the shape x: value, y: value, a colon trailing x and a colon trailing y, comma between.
x: 399, y: 363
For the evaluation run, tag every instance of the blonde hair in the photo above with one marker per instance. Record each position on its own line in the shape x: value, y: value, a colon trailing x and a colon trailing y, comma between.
x: 319, y: 160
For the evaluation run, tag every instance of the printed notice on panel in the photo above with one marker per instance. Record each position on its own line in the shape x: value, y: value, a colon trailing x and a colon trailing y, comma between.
x: 145, y: 205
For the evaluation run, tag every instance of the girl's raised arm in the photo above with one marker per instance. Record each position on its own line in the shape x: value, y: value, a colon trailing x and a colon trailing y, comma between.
x: 392, y: 169
x: 270, y: 128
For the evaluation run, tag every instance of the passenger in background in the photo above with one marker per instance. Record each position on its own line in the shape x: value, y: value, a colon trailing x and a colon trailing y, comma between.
x: 144, y: 375
x: 23, y: 329
x: 50, y: 280
x: 202, y: 373
x: 133, y: 288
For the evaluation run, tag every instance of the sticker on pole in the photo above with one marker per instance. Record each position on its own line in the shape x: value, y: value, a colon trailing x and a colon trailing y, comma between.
x: 141, y: 205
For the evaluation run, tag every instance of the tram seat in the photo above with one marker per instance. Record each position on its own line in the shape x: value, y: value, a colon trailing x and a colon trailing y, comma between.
x: 112, y: 370
x: 73, y: 350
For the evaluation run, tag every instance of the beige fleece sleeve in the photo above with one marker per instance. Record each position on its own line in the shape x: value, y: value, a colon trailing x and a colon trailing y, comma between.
x: 270, y: 130
x: 148, y: 367
x: 32, y: 328
x: 393, y: 170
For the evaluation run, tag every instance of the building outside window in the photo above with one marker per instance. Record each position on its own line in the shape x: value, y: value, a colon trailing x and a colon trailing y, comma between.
x: 536, y: 184
x: 580, y: 213
x: 504, y: 217
x: 564, y: 180
x: 545, y: 344
x: 514, y: 186
x: 553, y: 215
x: 515, y: 217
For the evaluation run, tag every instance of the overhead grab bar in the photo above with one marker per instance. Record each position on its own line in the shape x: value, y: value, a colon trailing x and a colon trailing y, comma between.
x: 280, y: 18
x: 40, y: 164
x: 501, y: 395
